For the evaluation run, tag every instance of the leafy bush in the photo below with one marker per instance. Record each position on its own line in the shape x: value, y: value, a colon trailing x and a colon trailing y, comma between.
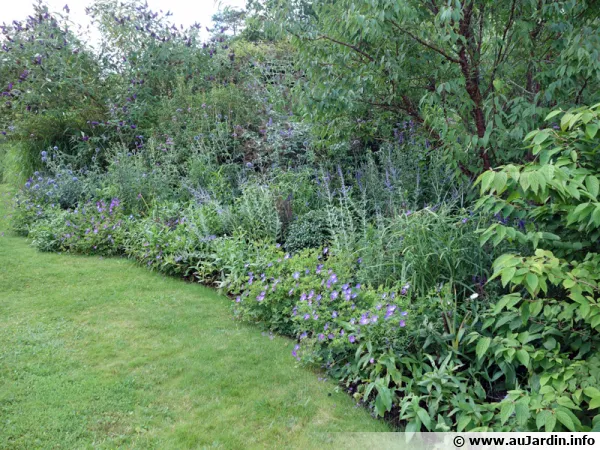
x: 91, y: 228
x: 255, y: 212
x: 549, y: 322
x: 172, y: 239
x: 309, y: 231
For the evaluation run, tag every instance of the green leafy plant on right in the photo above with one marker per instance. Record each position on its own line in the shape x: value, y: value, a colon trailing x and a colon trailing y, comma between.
x: 543, y: 334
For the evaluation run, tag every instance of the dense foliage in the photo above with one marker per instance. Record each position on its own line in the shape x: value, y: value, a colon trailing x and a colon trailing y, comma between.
x: 321, y: 172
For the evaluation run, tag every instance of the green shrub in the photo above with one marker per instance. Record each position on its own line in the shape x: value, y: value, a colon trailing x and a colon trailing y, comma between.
x: 308, y: 231
x: 256, y: 213
x: 543, y: 335
x: 47, y: 234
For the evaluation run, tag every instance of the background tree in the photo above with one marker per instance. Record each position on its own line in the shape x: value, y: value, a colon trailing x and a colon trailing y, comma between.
x: 465, y: 71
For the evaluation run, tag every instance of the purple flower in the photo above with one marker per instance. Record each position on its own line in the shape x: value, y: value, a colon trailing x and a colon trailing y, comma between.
x: 364, y: 319
x: 325, y: 250
x: 331, y: 336
x: 334, y: 314
x: 405, y: 289
x: 334, y: 295
x: 296, y: 275
x: 352, y: 339
x: 321, y: 337
x: 402, y: 324
x: 261, y: 296
x: 306, y: 316
x: 390, y: 311
x: 295, y: 351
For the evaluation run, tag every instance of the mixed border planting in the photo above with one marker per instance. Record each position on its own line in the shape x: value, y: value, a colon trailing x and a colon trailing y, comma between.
x: 435, y: 306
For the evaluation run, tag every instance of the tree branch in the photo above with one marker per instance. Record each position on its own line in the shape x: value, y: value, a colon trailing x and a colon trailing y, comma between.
x: 425, y: 43
x: 350, y: 46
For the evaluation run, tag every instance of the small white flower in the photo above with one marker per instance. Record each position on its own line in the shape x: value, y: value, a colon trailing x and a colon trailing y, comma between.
x: 474, y: 296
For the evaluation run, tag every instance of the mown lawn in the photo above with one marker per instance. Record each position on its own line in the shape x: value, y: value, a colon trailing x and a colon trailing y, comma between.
x: 102, y: 353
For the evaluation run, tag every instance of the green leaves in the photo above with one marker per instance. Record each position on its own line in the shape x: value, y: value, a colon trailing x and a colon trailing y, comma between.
x: 383, y: 401
x: 532, y: 283
x: 594, y: 395
x: 523, y: 357
x: 506, y: 410
x: 564, y: 418
x: 546, y: 419
x: 482, y: 346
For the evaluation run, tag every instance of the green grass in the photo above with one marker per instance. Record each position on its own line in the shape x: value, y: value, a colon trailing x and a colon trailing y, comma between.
x: 102, y: 353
